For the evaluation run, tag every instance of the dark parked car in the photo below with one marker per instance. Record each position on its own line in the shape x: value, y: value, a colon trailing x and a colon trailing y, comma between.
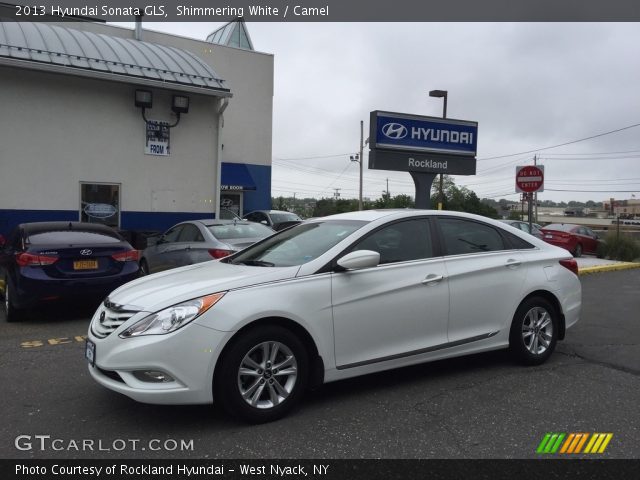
x: 524, y: 226
x: 54, y: 260
x: 199, y: 241
x: 575, y: 238
x: 276, y: 219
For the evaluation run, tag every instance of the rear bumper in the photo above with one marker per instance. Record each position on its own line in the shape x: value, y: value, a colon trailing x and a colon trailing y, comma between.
x: 31, y: 289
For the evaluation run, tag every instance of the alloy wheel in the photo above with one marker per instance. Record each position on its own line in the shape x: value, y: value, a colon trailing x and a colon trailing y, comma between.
x: 267, y: 375
x: 537, y: 330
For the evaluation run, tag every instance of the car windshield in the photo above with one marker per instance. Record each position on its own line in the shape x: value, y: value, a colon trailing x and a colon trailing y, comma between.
x: 297, y: 245
x: 230, y: 231
x: 284, y: 217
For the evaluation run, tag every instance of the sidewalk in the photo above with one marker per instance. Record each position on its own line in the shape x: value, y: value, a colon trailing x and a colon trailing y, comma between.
x: 587, y: 265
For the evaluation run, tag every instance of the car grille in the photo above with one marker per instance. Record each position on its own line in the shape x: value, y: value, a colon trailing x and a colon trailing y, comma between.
x: 109, y: 317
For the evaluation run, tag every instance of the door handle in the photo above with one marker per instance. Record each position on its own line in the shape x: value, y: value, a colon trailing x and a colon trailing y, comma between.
x: 432, y: 279
x: 513, y: 263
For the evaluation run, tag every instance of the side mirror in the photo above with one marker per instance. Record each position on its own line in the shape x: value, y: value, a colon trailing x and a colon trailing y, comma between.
x: 264, y: 222
x: 3, y: 242
x: 359, y: 259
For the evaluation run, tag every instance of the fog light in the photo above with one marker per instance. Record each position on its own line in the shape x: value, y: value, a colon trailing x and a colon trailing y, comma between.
x: 152, y: 376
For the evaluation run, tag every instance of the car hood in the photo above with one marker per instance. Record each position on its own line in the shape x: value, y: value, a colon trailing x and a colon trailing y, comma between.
x: 155, y: 292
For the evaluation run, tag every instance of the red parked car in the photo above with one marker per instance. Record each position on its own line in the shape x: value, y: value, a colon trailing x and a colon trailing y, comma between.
x: 578, y: 239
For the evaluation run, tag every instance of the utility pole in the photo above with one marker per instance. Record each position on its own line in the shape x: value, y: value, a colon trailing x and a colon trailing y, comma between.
x: 535, y: 195
x: 361, y: 160
x: 336, y: 194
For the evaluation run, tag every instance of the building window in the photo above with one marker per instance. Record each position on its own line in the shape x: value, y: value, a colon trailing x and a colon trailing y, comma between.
x: 230, y: 205
x: 100, y: 203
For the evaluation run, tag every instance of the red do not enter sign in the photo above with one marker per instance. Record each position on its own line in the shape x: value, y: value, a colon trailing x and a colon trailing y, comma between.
x: 530, y: 178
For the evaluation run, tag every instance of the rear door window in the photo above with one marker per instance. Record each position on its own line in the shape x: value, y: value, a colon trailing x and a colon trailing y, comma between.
x: 190, y: 233
x: 461, y: 236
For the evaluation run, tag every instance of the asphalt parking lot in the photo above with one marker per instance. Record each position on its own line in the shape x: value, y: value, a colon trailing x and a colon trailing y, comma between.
x: 483, y: 406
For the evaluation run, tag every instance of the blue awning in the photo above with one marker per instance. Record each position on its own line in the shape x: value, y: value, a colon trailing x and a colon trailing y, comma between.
x: 236, y: 176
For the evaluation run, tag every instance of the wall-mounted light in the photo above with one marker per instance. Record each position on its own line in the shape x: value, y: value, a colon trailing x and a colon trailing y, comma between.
x: 179, y: 104
x: 144, y: 99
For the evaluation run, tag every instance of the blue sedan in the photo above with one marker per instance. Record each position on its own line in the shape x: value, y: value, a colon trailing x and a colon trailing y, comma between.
x: 46, y: 261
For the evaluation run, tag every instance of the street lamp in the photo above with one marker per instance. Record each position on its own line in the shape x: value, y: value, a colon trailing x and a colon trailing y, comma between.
x: 440, y: 94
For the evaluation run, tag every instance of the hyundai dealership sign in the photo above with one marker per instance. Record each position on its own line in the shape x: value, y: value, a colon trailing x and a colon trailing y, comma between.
x: 415, y: 143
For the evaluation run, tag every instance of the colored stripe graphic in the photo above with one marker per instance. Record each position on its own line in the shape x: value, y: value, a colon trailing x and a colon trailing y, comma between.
x: 573, y: 443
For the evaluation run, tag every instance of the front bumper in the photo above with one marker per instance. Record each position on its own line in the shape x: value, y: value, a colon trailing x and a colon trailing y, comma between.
x: 187, y: 355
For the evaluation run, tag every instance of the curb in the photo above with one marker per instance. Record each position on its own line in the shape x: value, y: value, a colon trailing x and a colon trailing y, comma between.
x: 608, y: 268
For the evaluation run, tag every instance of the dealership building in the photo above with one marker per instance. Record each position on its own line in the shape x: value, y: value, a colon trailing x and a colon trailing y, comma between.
x: 131, y: 128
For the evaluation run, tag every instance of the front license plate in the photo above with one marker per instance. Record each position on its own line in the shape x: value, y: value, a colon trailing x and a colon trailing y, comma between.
x: 85, y: 264
x: 90, y: 352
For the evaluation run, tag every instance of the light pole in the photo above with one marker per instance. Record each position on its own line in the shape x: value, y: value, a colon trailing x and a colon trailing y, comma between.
x: 440, y: 94
x: 358, y: 158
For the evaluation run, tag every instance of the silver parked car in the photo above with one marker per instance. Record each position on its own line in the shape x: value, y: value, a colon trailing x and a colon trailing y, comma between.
x: 524, y: 226
x: 276, y: 219
x: 199, y: 241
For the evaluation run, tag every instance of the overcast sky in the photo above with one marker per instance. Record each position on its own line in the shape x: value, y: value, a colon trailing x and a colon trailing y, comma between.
x: 528, y: 85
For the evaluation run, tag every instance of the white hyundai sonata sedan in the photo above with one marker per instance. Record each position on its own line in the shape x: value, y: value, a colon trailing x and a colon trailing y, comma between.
x: 329, y: 299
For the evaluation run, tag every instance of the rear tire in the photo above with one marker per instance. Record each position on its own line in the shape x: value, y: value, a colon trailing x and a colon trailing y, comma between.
x: 262, y: 375
x: 11, y: 312
x: 534, y: 331
x: 578, y: 251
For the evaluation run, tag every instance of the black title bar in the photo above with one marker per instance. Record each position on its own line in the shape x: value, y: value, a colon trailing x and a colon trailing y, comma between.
x: 325, y: 10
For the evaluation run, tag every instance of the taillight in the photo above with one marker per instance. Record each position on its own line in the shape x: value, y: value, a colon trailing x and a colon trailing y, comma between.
x: 219, y: 252
x: 128, y: 256
x: 31, y: 260
x: 570, y: 264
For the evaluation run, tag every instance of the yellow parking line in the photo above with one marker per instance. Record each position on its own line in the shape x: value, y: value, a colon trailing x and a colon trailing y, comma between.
x: 53, y: 341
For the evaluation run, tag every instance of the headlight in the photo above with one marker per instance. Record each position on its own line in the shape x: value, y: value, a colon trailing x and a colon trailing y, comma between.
x: 172, y: 318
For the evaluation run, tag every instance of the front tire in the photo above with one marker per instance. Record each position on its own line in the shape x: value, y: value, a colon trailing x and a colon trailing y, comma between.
x: 534, y: 331
x: 262, y: 375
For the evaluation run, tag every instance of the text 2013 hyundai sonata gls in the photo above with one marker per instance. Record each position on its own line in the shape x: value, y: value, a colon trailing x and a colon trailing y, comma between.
x: 328, y: 299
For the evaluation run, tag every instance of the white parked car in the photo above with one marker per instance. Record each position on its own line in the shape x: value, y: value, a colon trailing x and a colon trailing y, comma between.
x: 329, y: 299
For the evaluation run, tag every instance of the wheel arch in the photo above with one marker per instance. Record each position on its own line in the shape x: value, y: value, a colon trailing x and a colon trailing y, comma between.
x: 553, y: 300
x: 316, y: 363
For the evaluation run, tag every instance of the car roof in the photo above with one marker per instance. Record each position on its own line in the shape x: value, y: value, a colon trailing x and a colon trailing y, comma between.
x: 270, y: 211
x: 210, y: 222
x: 564, y: 227
x: 390, y: 213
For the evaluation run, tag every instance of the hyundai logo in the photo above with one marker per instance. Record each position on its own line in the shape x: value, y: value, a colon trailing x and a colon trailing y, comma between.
x: 395, y: 131
x: 86, y: 251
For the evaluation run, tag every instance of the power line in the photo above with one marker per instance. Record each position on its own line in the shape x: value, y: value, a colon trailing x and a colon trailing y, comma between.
x: 562, y: 144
